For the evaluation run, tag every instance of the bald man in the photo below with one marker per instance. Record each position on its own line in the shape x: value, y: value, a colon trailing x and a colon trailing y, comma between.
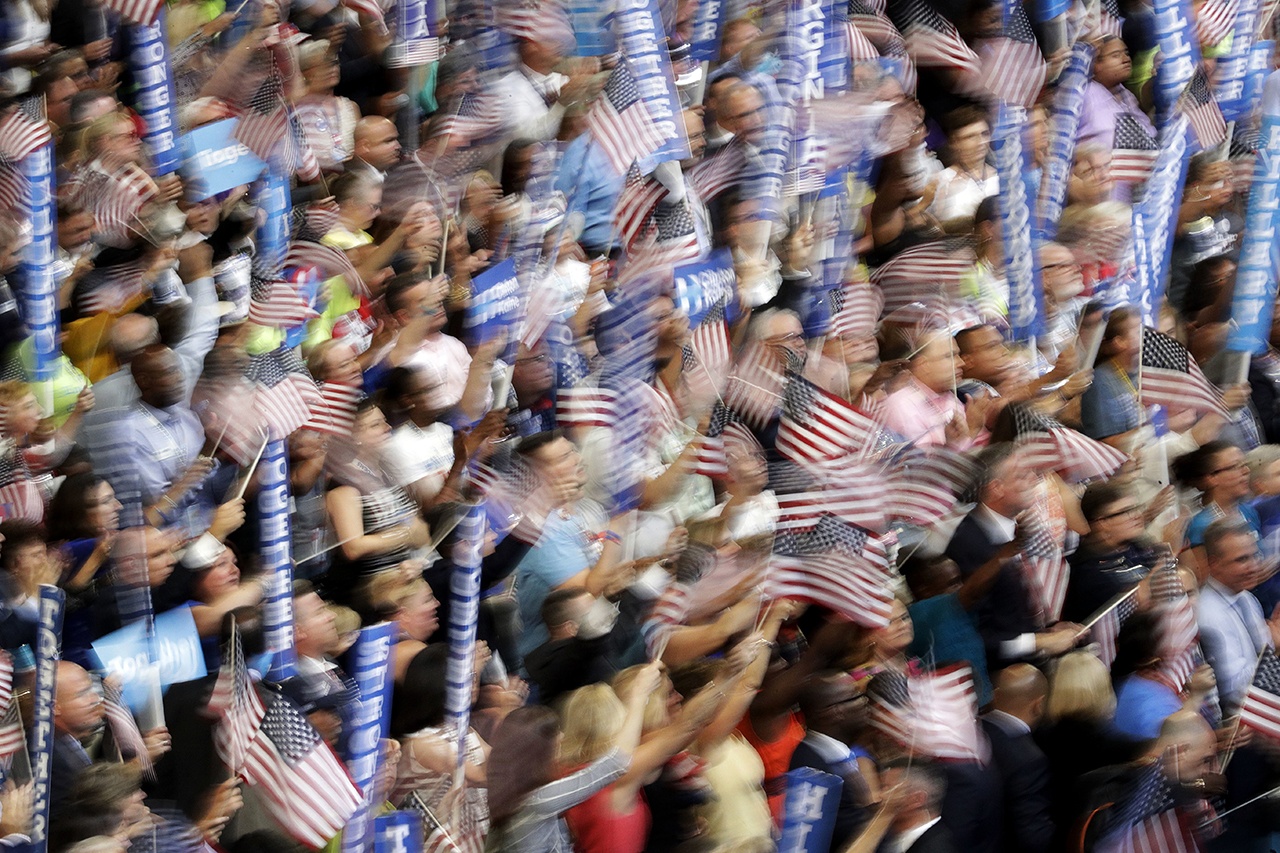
x: 1017, y: 708
x: 77, y: 715
x: 377, y: 146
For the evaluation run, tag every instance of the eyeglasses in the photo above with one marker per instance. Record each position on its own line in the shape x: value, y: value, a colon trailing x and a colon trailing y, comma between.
x: 1129, y: 510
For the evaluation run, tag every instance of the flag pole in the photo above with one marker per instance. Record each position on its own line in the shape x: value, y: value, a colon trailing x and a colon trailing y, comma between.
x: 1107, y: 608
x: 1230, y: 749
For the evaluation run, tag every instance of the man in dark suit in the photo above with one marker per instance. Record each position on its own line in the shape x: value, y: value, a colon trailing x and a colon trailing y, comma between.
x: 834, y: 712
x: 1020, y: 693
x: 78, y: 714
x: 1009, y: 621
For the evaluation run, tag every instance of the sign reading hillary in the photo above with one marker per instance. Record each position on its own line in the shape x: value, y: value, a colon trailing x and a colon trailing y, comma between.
x: 809, y: 811
x: 1255, y: 291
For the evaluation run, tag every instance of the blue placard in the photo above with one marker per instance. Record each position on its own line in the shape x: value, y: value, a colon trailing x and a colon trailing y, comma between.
x: 397, y: 832
x: 707, y: 23
x: 1156, y: 216
x: 809, y: 811
x: 273, y: 230
x: 1232, y: 68
x: 803, y: 48
x: 154, y: 99
x: 1179, y: 53
x: 1026, y: 302
x: 638, y: 27
x: 274, y: 548
x: 1255, y: 290
x: 39, y: 291
x: 40, y: 739
x: 464, y: 613
x: 214, y: 161
x: 700, y: 286
x: 494, y: 305
x: 591, y: 33
x: 368, y: 663
x: 1068, y: 103
x: 175, y: 649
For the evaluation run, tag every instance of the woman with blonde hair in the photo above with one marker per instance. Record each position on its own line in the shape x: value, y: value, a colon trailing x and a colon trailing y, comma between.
x: 1078, y: 735
x: 402, y: 596
x: 617, y: 819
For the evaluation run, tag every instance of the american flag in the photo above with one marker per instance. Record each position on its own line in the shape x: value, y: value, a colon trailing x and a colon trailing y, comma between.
x: 1201, y: 109
x: 286, y: 396
x: 304, y: 785
x: 668, y: 613
x: 284, y: 307
x: 265, y: 121
x: 837, y: 565
x: 818, y: 425
x: 933, y: 42
x: 711, y: 460
x: 675, y: 238
x: 860, y: 47
x: 1171, y: 377
x: 889, y: 695
x: 368, y: 8
x: 1261, y: 708
x: 621, y: 121
x: 235, y: 705
x: 937, y: 267
x: 946, y: 715
x: 1110, y: 21
x: 124, y: 728
x: 1107, y: 629
x: 19, y: 135
x: 20, y: 496
x: 858, y: 307
x: 1049, y: 445
x: 640, y: 195
x: 12, y: 735
x: 1215, y: 20
x: 330, y: 260
x: 1148, y: 819
x: 1133, y: 151
x: 139, y: 11
x: 15, y: 191
x: 710, y: 341
x: 1045, y: 565
x: 922, y: 486
x: 754, y: 390
x: 1013, y: 68
x: 474, y: 118
x: 717, y: 173
x: 336, y: 414
x: 850, y: 490
x: 115, y: 199
x: 586, y: 406
x: 1179, y: 640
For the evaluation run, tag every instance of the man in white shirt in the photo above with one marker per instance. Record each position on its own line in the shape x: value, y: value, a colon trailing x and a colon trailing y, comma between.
x: 533, y: 97
x: 1233, y: 630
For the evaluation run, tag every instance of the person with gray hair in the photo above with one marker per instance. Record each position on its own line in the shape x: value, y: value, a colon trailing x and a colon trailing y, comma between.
x: 1233, y: 628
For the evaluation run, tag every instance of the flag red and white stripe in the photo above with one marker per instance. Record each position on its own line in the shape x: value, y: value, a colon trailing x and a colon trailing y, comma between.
x: 283, y: 308
x: 1261, y: 708
x: 1171, y: 377
x: 336, y: 413
x: 19, y: 135
x: 585, y: 406
x: 818, y: 425
x: 142, y: 12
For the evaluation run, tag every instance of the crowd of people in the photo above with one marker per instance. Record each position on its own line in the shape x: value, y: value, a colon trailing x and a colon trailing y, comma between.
x: 1016, y: 592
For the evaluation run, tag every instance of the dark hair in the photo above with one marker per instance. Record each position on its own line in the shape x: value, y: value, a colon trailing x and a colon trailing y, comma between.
x: 990, y: 460
x: 510, y: 182
x: 1221, y: 529
x: 1100, y: 496
x: 530, y: 445
x: 1190, y: 468
x: 345, y: 186
x: 419, y: 702
x: 962, y: 117
x: 919, y: 571
x: 988, y: 210
x: 1114, y: 328
x: 398, y: 286
x: 1138, y: 645
x: 521, y: 760
x: 555, y: 607
x: 394, y: 389
x: 95, y: 803
x: 17, y: 535
x: 68, y: 509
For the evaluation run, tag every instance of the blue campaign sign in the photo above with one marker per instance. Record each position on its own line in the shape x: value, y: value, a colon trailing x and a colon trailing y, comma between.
x: 39, y: 291
x: 213, y: 161
x: 700, y: 286
x: 495, y: 304
x: 809, y: 811
x: 154, y: 100
x: 1255, y: 290
x: 1232, y: 69
x: 1026, y: 305
x: 591, y: 28
x: 274, y: 547
x: 1179, y: 52
x: 1156, y: 217
x: 643, y: 40
x: 175, y: 649
x: 397, y: 832
x: 40, y: 738
x: 707, y: 23
x: 368, y: 664
x: 1068, y: 103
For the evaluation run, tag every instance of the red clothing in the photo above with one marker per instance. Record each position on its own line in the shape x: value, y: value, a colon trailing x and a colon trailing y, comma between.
x: 597, y: 828
x: 776, y: 755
